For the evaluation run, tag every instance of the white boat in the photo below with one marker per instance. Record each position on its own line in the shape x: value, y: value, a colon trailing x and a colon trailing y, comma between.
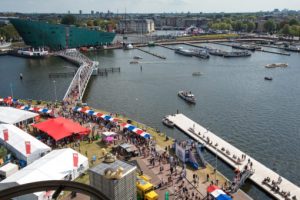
x: 32, y: 53
x: 184, y: 52
x: 127, y: 46
x: 4, y: 45
x: 187, y: 96
x: 167, y: 122
x: 274, y: 65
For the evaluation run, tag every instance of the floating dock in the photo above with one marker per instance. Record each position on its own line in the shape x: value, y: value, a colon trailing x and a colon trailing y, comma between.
x: 153, y: 54
x: 230, y: 154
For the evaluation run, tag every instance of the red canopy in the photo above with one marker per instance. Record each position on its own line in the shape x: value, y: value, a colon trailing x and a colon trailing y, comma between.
x: 212, y: 188
x: 59, y: 128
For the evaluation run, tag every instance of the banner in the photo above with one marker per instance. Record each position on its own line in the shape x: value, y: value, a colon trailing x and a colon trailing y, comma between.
x: 75, y: 159
x: 28, y: 147
x: 5, y: 134
x: 180, y: 153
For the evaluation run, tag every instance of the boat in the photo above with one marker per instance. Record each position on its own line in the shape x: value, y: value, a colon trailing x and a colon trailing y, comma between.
x: 127, y: 46
x: 216, y: 52
x: 31, y: 53
x: 187, y: 96
x: 58, y: 36
x: 137, y: 57
x: 184, y: 52
x: 292, y: 48
x: 274, y: 65
x: 268, y: 78
x: 4, y: 44
x: 237, y: 54
x: 134, y: 62
x: 244, y: 46
x: 200, y: 53
x: 196, y: 73
x: 167, y: 122
x: 151, y: 44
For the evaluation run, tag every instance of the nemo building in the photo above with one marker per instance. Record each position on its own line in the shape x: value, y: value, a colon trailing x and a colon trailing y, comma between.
x: 58, y: 36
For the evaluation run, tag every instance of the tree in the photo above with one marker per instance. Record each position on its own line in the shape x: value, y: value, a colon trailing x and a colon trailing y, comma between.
x: 270, y: 26
x: 293, y: 22
x: 68, y: 20
x: 90, y: 23
x: 286, y: 30
x: 250, y: 26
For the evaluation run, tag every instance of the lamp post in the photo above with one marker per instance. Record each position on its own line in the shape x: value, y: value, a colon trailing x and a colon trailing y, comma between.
x: 54, y: 83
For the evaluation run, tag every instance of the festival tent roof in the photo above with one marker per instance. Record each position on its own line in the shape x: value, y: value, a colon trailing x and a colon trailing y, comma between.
x: 16, y: 143
x: 59, y: 128
x: 56, y: 165
x: 136, y: 130
x: 11, y: 115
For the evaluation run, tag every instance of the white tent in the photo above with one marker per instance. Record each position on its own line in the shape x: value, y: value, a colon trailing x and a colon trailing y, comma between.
x: 56, y: 165
x: 16, y: 143
x: 108, y: 134
x: 11, y: 115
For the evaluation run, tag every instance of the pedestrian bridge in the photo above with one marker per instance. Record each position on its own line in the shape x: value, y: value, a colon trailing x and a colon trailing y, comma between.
x: 81, y: 79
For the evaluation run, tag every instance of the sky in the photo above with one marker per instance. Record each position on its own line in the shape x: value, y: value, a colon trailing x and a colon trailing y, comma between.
x: 145, y: 6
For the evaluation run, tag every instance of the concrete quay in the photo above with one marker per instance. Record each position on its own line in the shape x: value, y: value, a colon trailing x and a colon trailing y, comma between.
x: 233, y: 157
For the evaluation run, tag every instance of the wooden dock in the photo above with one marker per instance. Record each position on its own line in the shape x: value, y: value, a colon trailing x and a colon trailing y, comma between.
x: 227, y: 152
x: 61, y: 74
x: 166, y: 46
x: 153, y: 54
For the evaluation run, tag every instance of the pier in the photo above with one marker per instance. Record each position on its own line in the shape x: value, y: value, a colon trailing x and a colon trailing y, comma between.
x: 233, y: 157
x: 153, y: 54
x: 81, y: 79
x: 167, y: 46
x: 105, y: 71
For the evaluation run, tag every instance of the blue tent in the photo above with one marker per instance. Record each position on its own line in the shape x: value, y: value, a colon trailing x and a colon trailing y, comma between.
x: 131, y: 127
x: 223, y: 197
x: 107, y: 117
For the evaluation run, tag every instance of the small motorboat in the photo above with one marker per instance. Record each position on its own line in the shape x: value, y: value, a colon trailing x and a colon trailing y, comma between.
x: 196, y: 73
x: 167, y: 122
x: 134, y: 62
x: 268, y: 78
x: 274, y: 65
x: 187, y: 96
x: 137, y: 57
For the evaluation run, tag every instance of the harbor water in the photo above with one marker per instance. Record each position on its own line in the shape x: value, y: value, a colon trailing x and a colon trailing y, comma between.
x: 233, y: 99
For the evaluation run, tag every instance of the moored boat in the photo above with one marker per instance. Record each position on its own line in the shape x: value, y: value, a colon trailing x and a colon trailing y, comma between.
x: 187, y: 96
x: 4, y: 45
x: 31, y: 53
x: 184, y: 52
x: 217, y: 52
x: 292, y: 48
x: 134, y: 62
x: 237, y: 54
x: 167, y: 122
x: 200, y: 53
x: 274, y: 65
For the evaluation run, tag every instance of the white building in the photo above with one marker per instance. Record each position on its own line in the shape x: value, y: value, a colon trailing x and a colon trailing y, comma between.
x: 56, y: 165
x: 16, y: 144
x: 136, y: 26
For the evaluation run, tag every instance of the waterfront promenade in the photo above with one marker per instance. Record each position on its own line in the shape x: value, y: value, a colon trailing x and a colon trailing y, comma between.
x: 237, y: 159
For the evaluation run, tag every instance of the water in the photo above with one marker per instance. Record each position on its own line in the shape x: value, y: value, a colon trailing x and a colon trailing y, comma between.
x: 233, y: 99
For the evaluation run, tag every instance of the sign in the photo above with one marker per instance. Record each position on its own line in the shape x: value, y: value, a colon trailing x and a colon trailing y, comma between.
x: 180, y: 153
x: 28, y: 147
x: 75, y: 159
x: 5, y: 134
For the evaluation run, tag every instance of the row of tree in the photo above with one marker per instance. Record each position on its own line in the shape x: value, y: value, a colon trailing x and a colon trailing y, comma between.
x: 288, y: 27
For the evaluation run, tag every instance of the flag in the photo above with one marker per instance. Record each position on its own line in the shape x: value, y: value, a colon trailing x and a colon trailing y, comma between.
x: 5, y: 134
x: 75, y: 159
x: 28, y: 147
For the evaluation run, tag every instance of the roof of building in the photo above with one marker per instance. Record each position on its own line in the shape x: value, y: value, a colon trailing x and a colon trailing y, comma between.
x: 11, y: 115
x: 100, y: 169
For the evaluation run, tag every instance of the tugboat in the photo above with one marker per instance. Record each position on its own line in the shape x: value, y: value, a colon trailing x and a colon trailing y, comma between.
x: 184, y: 52
x: 187, y: 96
x: 268, y: 78
x: 167, y: 122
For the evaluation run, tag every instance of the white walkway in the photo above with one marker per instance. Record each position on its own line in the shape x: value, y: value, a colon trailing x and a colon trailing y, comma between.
x: 227, y: 152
